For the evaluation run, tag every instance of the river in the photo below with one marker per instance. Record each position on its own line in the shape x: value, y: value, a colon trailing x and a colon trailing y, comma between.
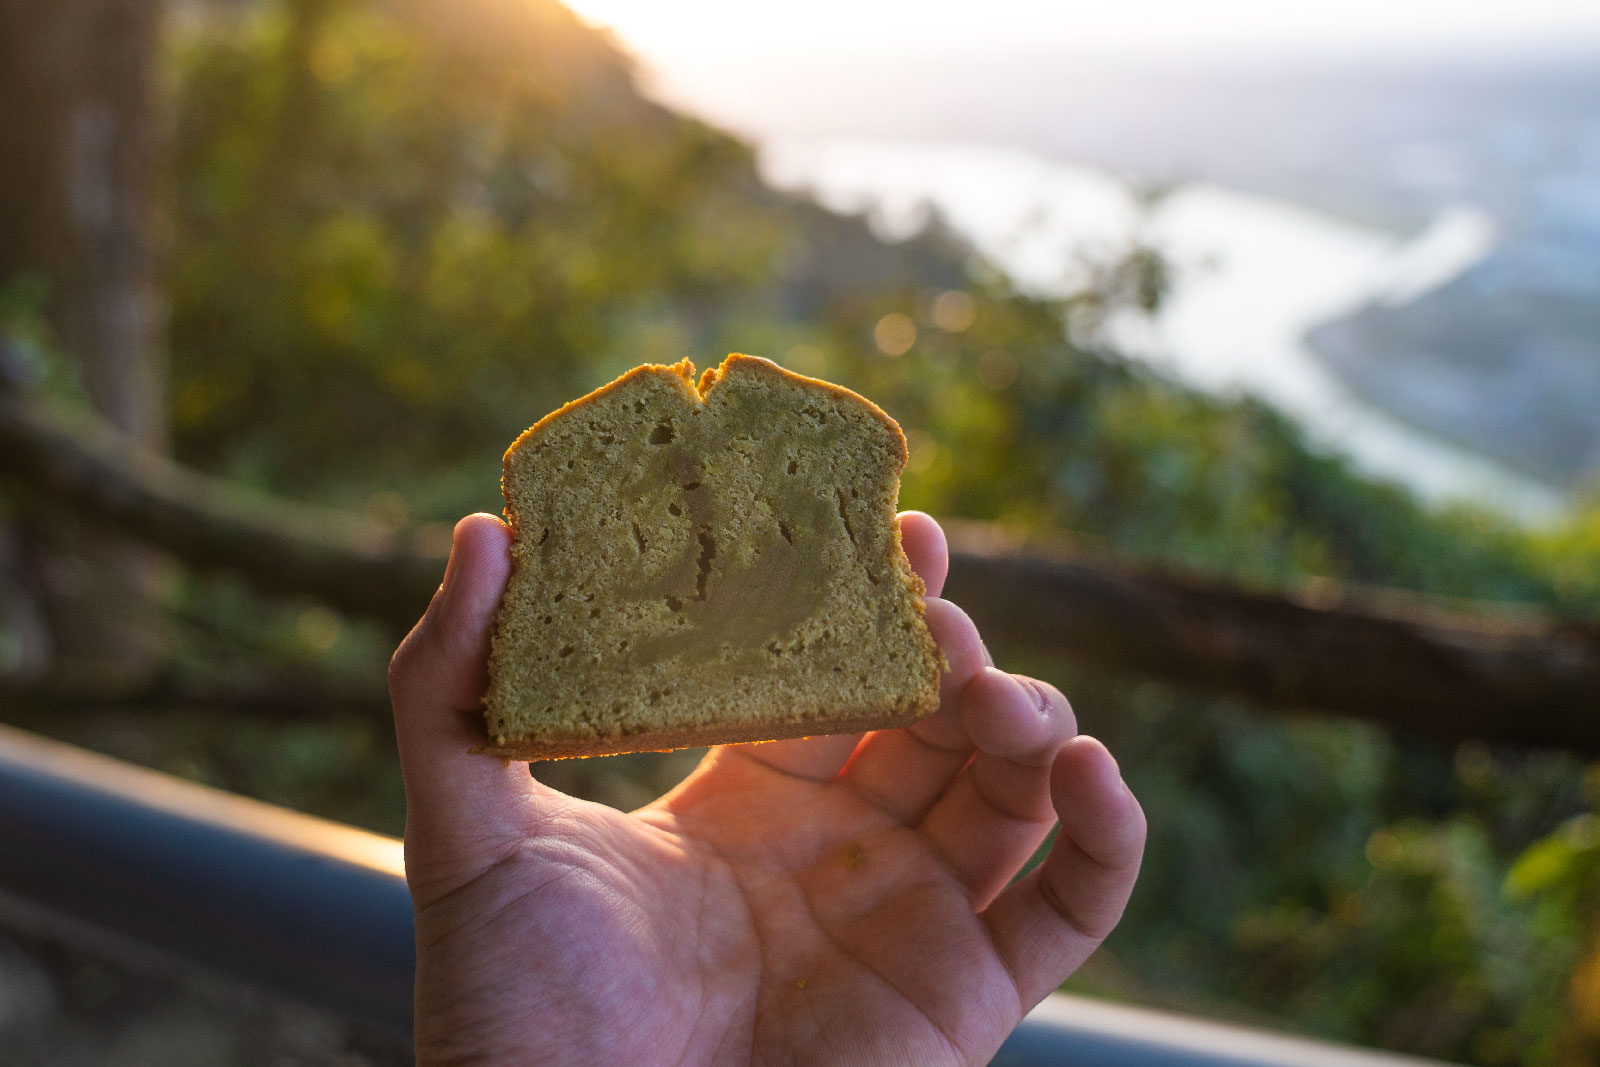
x: 1251, y: 276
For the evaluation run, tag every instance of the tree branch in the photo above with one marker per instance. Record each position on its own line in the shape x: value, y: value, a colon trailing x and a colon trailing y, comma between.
x: 79, y: 463
x: 280, y: 695
x: 1449, y: 669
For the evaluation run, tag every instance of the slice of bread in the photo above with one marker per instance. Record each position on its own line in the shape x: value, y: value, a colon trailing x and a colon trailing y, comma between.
x: 703, y: 565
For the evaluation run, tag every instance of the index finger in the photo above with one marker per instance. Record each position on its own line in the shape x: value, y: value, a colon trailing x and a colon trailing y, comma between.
x: 925, y: 546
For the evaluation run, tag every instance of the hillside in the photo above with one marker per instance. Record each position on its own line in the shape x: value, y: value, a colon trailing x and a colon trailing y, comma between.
x: 404, y: 219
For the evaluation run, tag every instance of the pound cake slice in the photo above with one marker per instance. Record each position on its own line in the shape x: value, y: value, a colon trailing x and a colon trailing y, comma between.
x: 697, y: 564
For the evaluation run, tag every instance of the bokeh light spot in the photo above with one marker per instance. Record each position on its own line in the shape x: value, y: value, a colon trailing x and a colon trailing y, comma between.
x: 997, y: 369
x: 388, y: 509
x: 954, y: 311
x: 895, y: 334
x: 317, y: 628
x: 1385, y: 849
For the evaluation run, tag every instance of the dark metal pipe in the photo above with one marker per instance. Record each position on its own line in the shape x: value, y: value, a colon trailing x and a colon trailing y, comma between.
x: 320, y: 912
x: 310, y: 908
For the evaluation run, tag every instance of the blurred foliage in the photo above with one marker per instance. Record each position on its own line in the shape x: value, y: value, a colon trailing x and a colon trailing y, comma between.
x: 1331, y: 878
x: 402, y: 232
x: 29, y: 355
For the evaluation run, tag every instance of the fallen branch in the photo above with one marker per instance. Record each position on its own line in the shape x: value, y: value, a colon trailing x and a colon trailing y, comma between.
x: 1449, y: 669
x: 1438, y: 667
x: 282, y: 695
x: 79, y: 463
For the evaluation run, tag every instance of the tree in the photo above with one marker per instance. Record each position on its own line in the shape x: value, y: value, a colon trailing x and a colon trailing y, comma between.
x: 78, y: 139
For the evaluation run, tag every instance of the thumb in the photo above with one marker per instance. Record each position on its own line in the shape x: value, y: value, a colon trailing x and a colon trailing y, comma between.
x: 459, y: 805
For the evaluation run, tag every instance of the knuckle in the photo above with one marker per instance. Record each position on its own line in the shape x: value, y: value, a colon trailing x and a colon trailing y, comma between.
x: 408, y: 657
x: 1053, y: 706
x: 1125, y: 839
x: 399, y: 663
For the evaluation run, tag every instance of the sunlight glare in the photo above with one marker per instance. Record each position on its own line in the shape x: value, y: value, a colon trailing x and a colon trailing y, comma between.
x: 713, y: 27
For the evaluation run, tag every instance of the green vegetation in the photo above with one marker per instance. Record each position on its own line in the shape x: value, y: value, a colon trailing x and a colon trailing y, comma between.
x: 399, y: 238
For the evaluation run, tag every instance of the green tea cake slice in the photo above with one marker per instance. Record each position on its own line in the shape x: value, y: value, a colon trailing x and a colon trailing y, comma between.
x: 703, y: 564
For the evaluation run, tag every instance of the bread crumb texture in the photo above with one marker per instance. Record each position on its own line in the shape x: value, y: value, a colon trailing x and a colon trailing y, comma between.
x: 697, y: 564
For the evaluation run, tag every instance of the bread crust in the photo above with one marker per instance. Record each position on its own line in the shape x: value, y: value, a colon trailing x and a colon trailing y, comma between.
x: 684, y: 371
x: 700, y: 737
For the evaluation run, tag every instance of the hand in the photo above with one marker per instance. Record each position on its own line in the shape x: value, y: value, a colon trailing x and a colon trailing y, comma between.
x: 832, y: 900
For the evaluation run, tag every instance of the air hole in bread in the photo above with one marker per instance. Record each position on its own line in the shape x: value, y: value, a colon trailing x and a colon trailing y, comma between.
x: 848, y: 529
x: 708, y: 552
x: 662, y: 434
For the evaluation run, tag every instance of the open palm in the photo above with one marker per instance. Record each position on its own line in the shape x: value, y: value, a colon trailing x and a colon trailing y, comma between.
x: 833, y: 900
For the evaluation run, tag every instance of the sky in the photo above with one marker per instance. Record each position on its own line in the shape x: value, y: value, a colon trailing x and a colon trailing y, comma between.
x: 767, y: 69
x: 669, y: 31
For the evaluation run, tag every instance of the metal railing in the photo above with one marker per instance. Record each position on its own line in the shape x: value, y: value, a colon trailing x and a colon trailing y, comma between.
x: 319, y: 912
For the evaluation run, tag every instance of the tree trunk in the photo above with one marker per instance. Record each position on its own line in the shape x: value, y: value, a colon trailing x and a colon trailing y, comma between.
x: 78, y: 141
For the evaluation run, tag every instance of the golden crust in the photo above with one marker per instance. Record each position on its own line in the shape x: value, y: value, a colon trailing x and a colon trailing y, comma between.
x: 683, y: 370
x: 698, y: 737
